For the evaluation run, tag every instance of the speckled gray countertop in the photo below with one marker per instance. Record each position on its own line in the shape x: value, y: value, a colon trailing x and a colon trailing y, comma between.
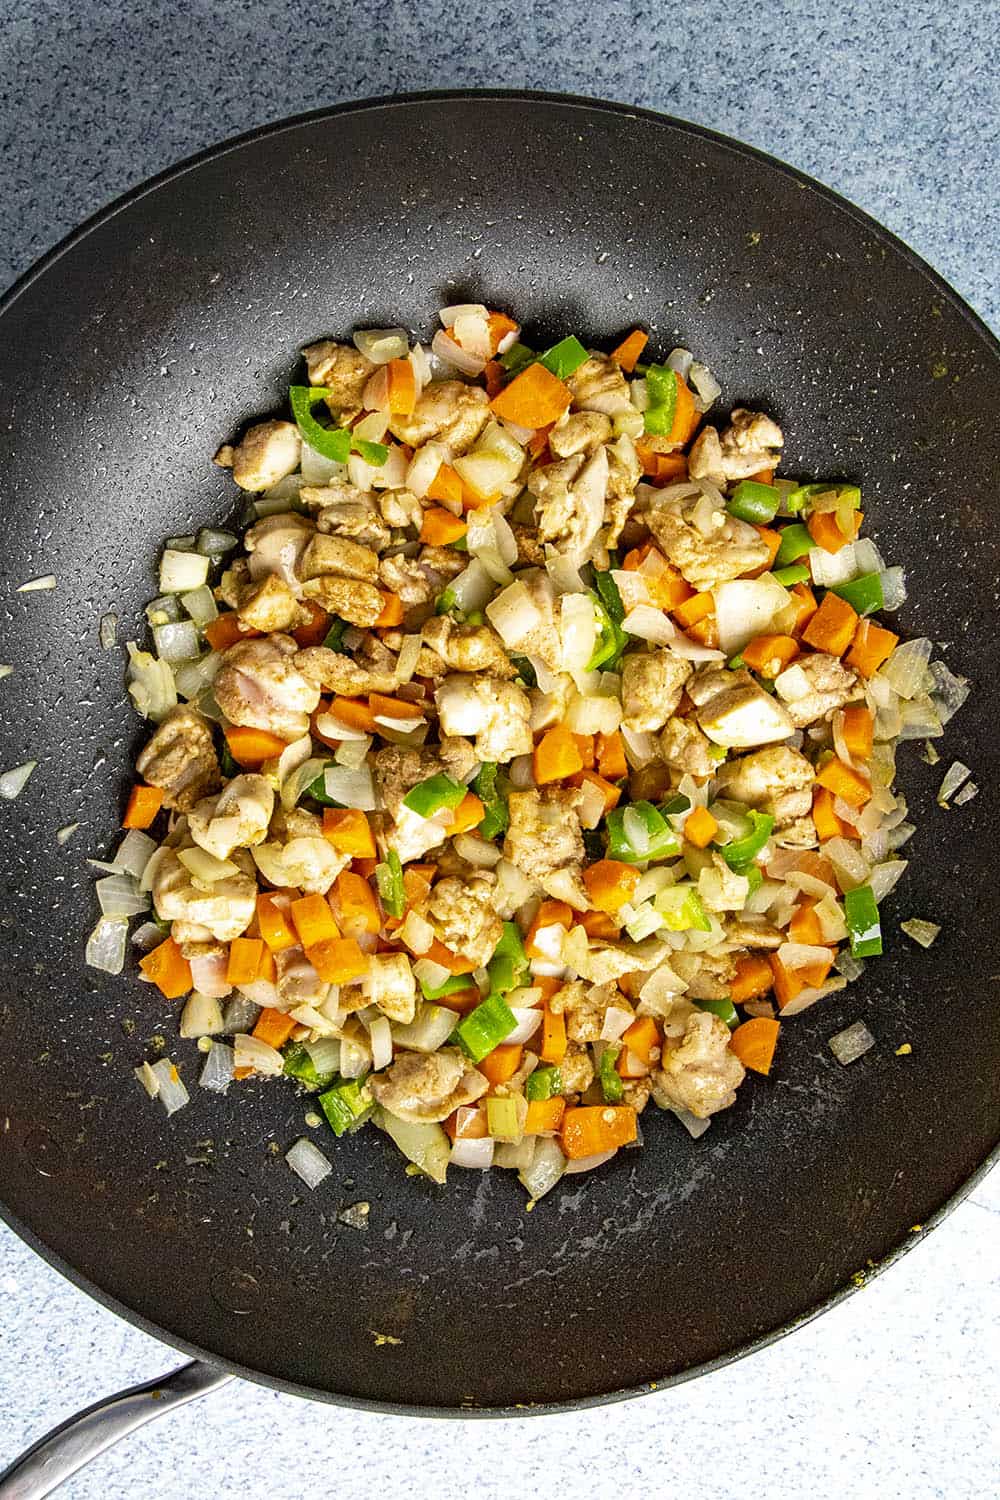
x: 898, y: 106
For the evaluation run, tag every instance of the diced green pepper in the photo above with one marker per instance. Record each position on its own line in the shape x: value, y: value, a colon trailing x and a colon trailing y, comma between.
x: 485, y: 1027
x: 346, y: 1105
x: 451, y: 986
x: 298, y: 1064
x: 863, y: 923
x: 564, y: 358
x: 525, y: 671
x: 335, y: 635
x: 681, y: 908
x: 317, y: 791
x: 735, y: 663
x: 609, y: 594
x: 509, y: 961
x: 611, y: 639
x: 799, y: 500
x: 795, y: 543
x: 389, y: 880
x: 754, y: 502
x: 863, y: 594
x: 794, y: 573
x: 517, y: 358
x: 437, y: 792
x: 611, y: 1085
x: 372, y: 453
x: 664, y: 842
x: 489, y: 787
x: 661, y: 387
x: 543, y: 1083
x: 743, y: 851
x: 677, y: 804
x: 333, y: 443
x: 724, y: 1009
x: 227, y: 765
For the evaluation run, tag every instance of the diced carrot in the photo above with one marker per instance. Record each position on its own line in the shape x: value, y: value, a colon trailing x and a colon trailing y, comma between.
x: 553, y: 1036
x: 391, y: 612
x: 402, y: 387
x: 832, y: 627
x: 439, y: 527
x: 348, y: 830
x: 858, y: 731
x: 805, y: 926
x: 468, y: 814
x: 816, y: 865
x: 544, y: 1115
x: 642, y: 1038
x: 365, y: 867
x: 598, y: 924
x: 772, y: 538
x: 610, y: 883
x: 446, y: 485
x: 791, y: 982
x: 244, y: 1072
x: 585, y: 745
x: 872, y: 646
x: 244, y: 960
x: 273, y: 1027
x: 468, y: 1122
x: 665, y: 584
x: 701, y: 827
x: 354, y: 906
x: 609, y: 750
x: 686, y: 415
x: 608, y: 790
x: 353, y: 713
x: 538, y: 446
x: 313, y: 920
x: 463, y: 1001
x: 267, y: 969
x: 770, y: 654
x: 648, y: 457
x: 754, y: 1043
x: 417, y: 881
x: 314, y: 632
x: 590, y: 1129
x: 500, y: 1065
x: 698, y: 607
x: 495, y: 377
x: 226, y: 629
x: 549, y: 914
x: 500, y: 326
x: 169, y: 970
x: 548, y: 985
x: 455, y: 963
x: 805, y: 601
x: 828, y: 824
x: 394, y: 708
x: 753, y: 978
x: 670, y: 467
x: 822, y: 527
x: 144, y: 803
x: 275, y: 928
x: 706, y: 631
x: 556, y: 755
x: 534, y: 398
x: 845, y: 782
x: 338, y: 960
x: 626, y: 354
x: 763, y: 476
x: 250, y: 748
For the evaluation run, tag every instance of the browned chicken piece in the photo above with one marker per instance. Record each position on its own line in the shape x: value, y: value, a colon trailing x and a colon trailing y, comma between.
x: 686, y: 749
x: 428, y: 1087
x: 463, y: 915
x: 222, y: 910
x: 467, y: 648
x: 354, y: 601
x: 599, y: 385
x: 344, y: 371
x: 576, y: 1069
x: 584, y: 1006
x: 751, y: 442
x: 449, y: 412
x: 777, y: 780
x: 340, y: 674
x: 276, y: 544
x: 544, y: 833
x: 181, y: 759
x: 267, y: 452
x: 406, y: 579
x: 579, y: 432
x: 727, y: 548
x: 707, y: 977
x: 530, y: 551
x: 493, y: 712
x: 400, y: 508
x: 269, y: 604
x: 229, y: 589
x: 442, y: 564
x: 258, y: 685
x: 571, y: 498
x: 340, y: 556
x: 753, y: 932
x: 700, y: 1073
x: 624, y: 473
x: 815, y: 686
x: 652, y: 683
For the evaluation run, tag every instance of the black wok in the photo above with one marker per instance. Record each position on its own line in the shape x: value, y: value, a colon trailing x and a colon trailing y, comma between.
x: 125, y: 358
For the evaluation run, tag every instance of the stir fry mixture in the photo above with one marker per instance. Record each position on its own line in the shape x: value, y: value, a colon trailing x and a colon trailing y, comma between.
x: 530, y: 758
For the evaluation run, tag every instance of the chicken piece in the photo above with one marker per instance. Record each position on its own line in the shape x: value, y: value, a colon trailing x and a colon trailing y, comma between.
x: 636, y: 1092
x: 269, y: 604
x: 495, y: 712
x: 462, y: 913
x: 605, y: 962
x: 624, y: 473
x: 340, y: 675
x: 224, y: 910
x: 750, y: 443
x: 571, y: 498
x: 276, y: 545
x: 236, y: 819
x: 344, y: 371
x: 584, y: 1006
x: 428, y: 1087
x: 442, y: 564
x: 576, y: 1069
x: 180, y: 758
x: 725, y: 549
x: 400, y: 508
x: 540, y: 637
x: 377, y: 655
x: 776, y: 781
x: 300, y: 857
x: 354, y: 601
x: 259, y: 686
x: 298, y: 982
x: 579, y: 432
x: 340, y: 556
x: 735, y: 711
x: 406, y: 579
x: 449, y: 412
x: 752, y: 932
x: 467, y: 648
x: 544, y: 833
x: 599, y: 385
x: 358, y: 521
x: 267, y: 452
x: 706, y: 977
x: 398, y: 768
x: 390, y: 985
x: 815, y: 686
x: 700, y: 1073
x: 230, y: 587
x: 799, y: 833
x: 652, y: 683
x: 530, y: 552
x: 686, y: 749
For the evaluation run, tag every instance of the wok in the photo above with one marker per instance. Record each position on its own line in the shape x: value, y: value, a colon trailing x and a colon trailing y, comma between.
x: 126, y: 357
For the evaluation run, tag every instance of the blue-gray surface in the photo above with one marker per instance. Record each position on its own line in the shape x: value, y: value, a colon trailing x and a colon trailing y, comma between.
x: 895, y: 105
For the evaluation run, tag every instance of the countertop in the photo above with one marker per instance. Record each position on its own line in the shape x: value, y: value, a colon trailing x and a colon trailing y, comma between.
x: 894, y: 1391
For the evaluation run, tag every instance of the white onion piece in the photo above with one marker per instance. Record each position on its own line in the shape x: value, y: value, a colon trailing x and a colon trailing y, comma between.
x: 193, y: 678
x: 650, y: 624
x: 704, y: 383
x: 578, y: 631
x: 146, y: 937
x: 424, y: 466
x: 417, y: 933
x: 181, y: 572
x: 528, y: 1022
x: 449, y: 314
x: 148, y: 1079
x: 851, y: 1043
x: 37, y: 585
x: 260, y: 992
x: 886, y: 876
x: 694, y: 1126
x: 616, y: 1023
x: 679, y: 360
x: 13, y: 782
x: 683, y: 645
x: 513, y: 887
x: 351, y: 788
x: 471, y: 330
x: 473, y: 1152
x: 380, y: 345
x: 521, y: 772
x: 119, y: 896
x: 472, y: 589
x: 251, y: 1052
x: 171, y: 1092
x: 594, y: 714
x: 446, y: 349
x: 478, y: 852
x: 134, y: 852
x: 108, y: 632
x: 380, y: 1037
x: 430, y: 1029
x: 953, y: 778
x: 513, y: 614
x: 920, y: 931
x: 308, y: 1162
x: 565, y: 574
x: 421, y: 366
x: 430, y: 973
x: 545, y: 1168
x: 151, y: 684
x: 640, y: 747
x: 800, y: 955
x: 591, y: 809
x: 201, y: 1016
x: 217, y: 1074
x: 208, y: 971
x: 521, y: 435
x: 587, y: 1163
x: 205, y: 867
x: 747, y: 607
x: 106, y: 945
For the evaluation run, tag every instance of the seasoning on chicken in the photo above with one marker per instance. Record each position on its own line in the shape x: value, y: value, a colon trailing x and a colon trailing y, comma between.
x: 224, y: 909
x: 343, y: 371
x: 181, y: 759
x: 340, y: 556
x: 734, y: 711
x: 570, y: 507
x: 496, y: 714
x: 751, y: 442
x: 269, y: 604
x: 701, y: 1073
x: 652, y: 683
x: 705, y: 544
x: 428, y: 1087
x: 467, y: 648
x: 258, y: 685
x: 815, y: 686
x: 266, y: 453
x: 236, y: 819
x: 544, y: 833
x: 448, y: 412
x: 463, y: 916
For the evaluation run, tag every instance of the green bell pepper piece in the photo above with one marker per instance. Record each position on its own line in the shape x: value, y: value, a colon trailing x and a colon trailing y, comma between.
x: 681, y: 908
x: 517, y: 358
x: 724, y: 1009
x: 611, y: 639
x: 509, y: 962
x: 661, y: 385
x: 437, y: 792
x: 797, y: 501
x: 609, y: 595
x: 333, y: 443
x: 863, y: 923
x: 863, y: 594
x: 490, y: 788
x: 754, y: 502
x: 346, y: 1105
x: 451, y: 986
x: 564, y: 358
x: 611, y: 1085
x: 664, y: 843
x: 334, y: 639
x: 389, y: 880
x: 543, y: 1083
x: 298, y: 1064
x: 317, y: 791
x: 794, y: 573
x: 485, y: 1027
x: 795, y: 543
x: 372, y: 453
x: 743, y: 851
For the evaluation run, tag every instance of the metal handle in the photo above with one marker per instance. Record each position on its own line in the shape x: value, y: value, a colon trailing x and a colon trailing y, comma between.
x: 58, y: 1455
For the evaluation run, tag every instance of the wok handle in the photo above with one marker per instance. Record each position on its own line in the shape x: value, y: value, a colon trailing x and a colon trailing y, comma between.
x: 58, y: 1455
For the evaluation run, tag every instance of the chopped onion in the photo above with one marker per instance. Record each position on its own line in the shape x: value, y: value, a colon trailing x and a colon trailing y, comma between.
x: 949, y: 692
x: 850, y: 967
x: 594, y: 714
x: 299, y: 777
x: 680, y: 360
x: 380, y: 345
x: 907, y: 668
x: 119, y: 896
x: 453, y: 354
x: 204, y: 867
x: 351, y: 788
x: 704, y: 383
x: 180, y: 572
x: 849, y: 864
x: 106, y: 945
x: 577, y: 630
x: 448, y: 315
x: 240, y: 1014
x: 151, y: 684
x: 591, y: 809
x: 134, y: 853
x: 893, y: 581
x: 209, y: 971
x: 6, y: 671
x: 176, y: 642
x: 694, y: 1126
x: 432, y: 1025
x: 148, y: 1079
x: 683, y: 645
x: 171, y: 1092
x: 473, y: 1152
x: 747, y: 607
x: 801, y: 955
x: 953, y: 778
x: 528, y: 1021
x: 808, y: 997
x: 885, y: 877
x: 969, y: 790
x: 479, y: 852
x: 921, y: 932
x: 380, y: 1037
x: 851, y: 1043
x: 640, y: 747
x: 521, y: 772
x: 217, y: 1074
x: 565, y: 574
x: 251, y: 1052
x: 587, y: 1163
x: 308, y: 1162
x: 200, y: 605
x: 64, y: 834
x: 545, y: 1168
x: 473, y: 589
x: 37, y: 585
x: 13, y: 782
x: 513, y: 887
x: 616, y: 1022
x: 650, y: 624
x: 108, y: 631
x: 513, y: 614
x: 193, y: 678
x: 424, y: 466
x: 416, y: 933
x: 201, y: 1016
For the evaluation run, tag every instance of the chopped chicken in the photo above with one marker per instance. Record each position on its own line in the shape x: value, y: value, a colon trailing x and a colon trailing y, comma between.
x: 429, y: 1087
x: 303, y: 859
x: 579, y: 432
x: 340, y: 674
x: 181, y: 759
x: 686, y: 749
x: 407, y: 580
x: 544, y: 833
x: 298, y: 982
x: 571, y: 497
x: 701, y: 1073
x: 358, y: 519
x: 442, y: 563
x: 390, y: 985
x: 466, y: 648
x: 815, y: 686
x: 584, y: 1006
x: 400, y: 508
x: 276, y: 545
x: 463, y: 914
x: 266, y: 453
x: 605, y: 962
x: 777, y: 781
x: 259, y: 686
x: 749, y: 931
x: 449, y: 412
x: 652, y: 683
x: 599, y: 385
x: 730, y: 548
x: 624, y: 473
x: 269, y: 604
x: 230, y: 587
x: 340, y: 556
x: 354, y: 601
x: 496, y: 713
x: 541, y: 638
x: 735, y: 711
x: 344, y: 371
x: 530, y: 552
x: 576, y: 1069
x: 237, y: 818
x: 707, y: 977
x: 750, y: 443
x: 225, y: 908
x: 397, y: 769
x: 799, y: 833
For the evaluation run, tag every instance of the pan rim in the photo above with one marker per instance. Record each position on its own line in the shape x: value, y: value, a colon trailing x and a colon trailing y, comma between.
x: 738, y: 148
